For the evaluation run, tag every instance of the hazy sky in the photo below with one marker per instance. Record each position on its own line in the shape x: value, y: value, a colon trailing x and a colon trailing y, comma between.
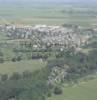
x: 53, y: 0
x: 56, y: 1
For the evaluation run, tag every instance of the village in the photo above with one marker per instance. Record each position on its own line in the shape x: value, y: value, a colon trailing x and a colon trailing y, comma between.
x: 43, y: 36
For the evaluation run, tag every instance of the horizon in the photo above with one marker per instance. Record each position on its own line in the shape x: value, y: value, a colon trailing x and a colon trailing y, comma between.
x: 49, y: 1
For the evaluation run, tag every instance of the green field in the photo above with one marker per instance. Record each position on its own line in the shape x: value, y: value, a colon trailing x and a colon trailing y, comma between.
x: 83, y: 91
x: 10, y: 67
x: 50, y: 15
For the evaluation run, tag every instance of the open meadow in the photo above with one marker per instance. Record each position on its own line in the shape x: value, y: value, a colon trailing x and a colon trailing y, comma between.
x: 83, y: 91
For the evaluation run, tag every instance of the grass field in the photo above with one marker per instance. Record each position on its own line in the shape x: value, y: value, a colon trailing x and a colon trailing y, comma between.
x: 50, y: 15
x: 83, y: 91
x: 10, y: 67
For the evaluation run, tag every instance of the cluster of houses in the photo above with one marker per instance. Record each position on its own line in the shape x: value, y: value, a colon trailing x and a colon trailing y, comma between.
x: 56, y: 76
x: 43, y: 35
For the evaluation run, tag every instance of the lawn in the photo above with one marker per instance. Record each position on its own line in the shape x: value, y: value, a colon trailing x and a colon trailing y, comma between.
x: 83, y: 91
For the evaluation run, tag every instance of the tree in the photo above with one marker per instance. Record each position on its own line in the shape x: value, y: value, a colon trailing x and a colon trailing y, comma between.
x: 1, y: 57
x: 19, y: 58
x: 27, y: 74
x: 56, y: 62
x: 15, y: 76
x: 14, y: 59
x: 49, y: 94
x: 4, y: 77
x: 58, y: 90
x: 1, y: 60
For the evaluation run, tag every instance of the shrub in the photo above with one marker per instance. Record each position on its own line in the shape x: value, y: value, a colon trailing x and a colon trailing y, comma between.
x: 58, y: 90
x: 15, y: 76
x: 13, y: 59
x: 27, y: 74
x: 4, y: 77
x: 19, y: 58
x: 49, y: 94
x: 1, y: 60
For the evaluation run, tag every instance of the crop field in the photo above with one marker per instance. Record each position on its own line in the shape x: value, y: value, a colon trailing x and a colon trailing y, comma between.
x: 31, y: 65
x: 83, y: 91
x: 50, y: 15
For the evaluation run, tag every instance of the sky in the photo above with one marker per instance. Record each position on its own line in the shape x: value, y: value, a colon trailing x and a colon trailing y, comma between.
x: 50, y: 1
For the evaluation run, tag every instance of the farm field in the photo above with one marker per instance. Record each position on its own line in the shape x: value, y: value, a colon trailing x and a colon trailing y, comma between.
x: 83, y: 91
x: 50, y: 15
x: 31, y: 65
